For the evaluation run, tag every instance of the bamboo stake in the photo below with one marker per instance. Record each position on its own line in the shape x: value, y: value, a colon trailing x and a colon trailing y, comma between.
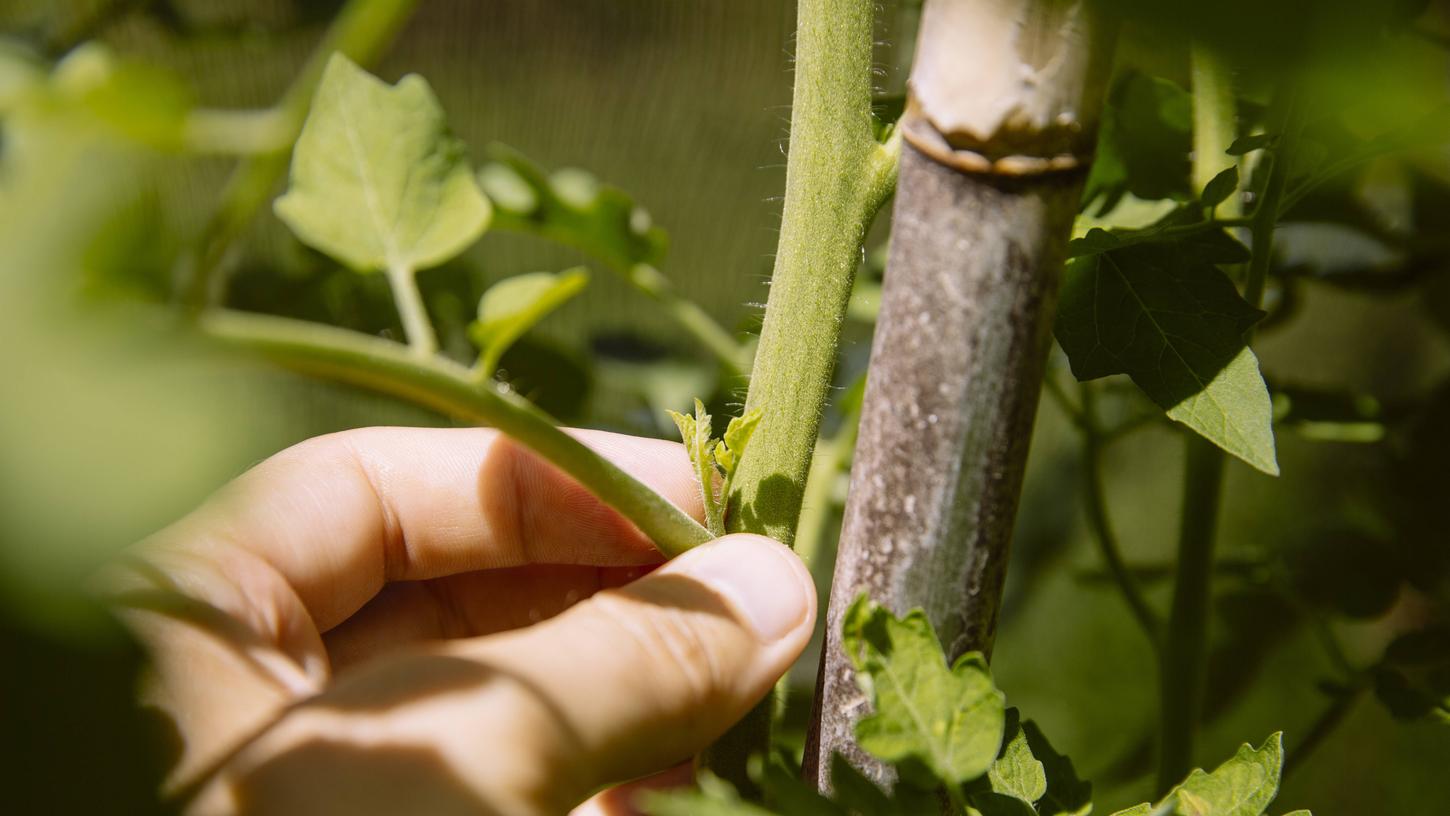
x: 999, y: 129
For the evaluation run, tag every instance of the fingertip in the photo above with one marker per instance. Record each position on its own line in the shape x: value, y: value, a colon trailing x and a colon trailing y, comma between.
x: 766, y: 583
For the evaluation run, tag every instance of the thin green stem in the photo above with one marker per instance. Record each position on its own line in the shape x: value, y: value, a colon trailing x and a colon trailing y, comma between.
x: 416, y: 325
x: 1185, y: 649
x: 732, y: 356
x: 1059, y: 395
x: 438, y: 383
x: 1098, y: 520
x: 1270, y: 204
x: 362, y: 30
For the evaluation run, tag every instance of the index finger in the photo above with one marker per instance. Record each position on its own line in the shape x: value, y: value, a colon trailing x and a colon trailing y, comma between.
x: 341, y: 515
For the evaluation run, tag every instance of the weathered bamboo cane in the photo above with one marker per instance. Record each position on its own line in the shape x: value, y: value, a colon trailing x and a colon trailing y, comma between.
x: 999, y: 127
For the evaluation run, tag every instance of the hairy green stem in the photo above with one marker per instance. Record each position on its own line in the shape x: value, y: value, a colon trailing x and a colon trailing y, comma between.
x: 837, y: 177
x: 362, y: 31
x: 1097, y: 512
x: 436, y: 382
x: 416, y: 325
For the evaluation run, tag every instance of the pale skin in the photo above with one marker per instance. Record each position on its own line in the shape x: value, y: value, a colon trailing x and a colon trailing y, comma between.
x: 399, y: 620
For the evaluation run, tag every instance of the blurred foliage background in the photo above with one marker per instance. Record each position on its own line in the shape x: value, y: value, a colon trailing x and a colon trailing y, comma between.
x: 115, y: 420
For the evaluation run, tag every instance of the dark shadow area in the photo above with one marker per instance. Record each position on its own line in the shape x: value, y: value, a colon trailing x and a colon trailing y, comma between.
x: 777, y: 504
x: 74, y: 739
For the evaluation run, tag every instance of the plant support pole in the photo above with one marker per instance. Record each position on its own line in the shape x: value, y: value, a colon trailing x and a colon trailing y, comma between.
x: 999, y: 127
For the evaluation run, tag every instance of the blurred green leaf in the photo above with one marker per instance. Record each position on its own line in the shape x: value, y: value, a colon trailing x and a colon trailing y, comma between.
x: 1143, y: 143
x: 571, y: 207
x: 926, y: 715
x: 1176, y: 325
x: 377, y: 181
x: 1220, y: 187
x: 141, y: 102
x: 514, y: 305
x: 1248, y: 144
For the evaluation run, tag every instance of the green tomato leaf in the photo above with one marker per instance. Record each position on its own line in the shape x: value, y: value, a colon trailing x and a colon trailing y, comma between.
x: 1066, y: 794
x: 1016, y: 771
x: 1175, y: 325
x: 737, y: 436
x: 377, y: 180
x: 695, y: 431
x: 1220, y: 187
x: 514, y: 305
x: 935, y: 722
x: 1136, y: 810
x: 1242, y: 786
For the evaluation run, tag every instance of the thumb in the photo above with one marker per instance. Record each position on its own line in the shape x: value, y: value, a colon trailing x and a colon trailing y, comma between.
x: 639, y: 678
x: 630, y: 681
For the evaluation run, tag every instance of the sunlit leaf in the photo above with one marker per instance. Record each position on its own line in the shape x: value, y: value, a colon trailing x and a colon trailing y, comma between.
x: 947, y: 721
x: 514, y: 305
x: 737, y: 436
x: 377, y: 180
x: 1242, y: 786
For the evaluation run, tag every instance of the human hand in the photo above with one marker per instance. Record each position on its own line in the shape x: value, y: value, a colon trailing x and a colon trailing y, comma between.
x: 431, y: 621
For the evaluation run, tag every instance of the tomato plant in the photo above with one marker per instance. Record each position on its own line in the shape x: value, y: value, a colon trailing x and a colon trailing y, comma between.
x: 1153, y: 219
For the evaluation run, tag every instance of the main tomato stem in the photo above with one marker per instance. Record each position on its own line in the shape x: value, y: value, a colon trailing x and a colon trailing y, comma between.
x: 837, y: 177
